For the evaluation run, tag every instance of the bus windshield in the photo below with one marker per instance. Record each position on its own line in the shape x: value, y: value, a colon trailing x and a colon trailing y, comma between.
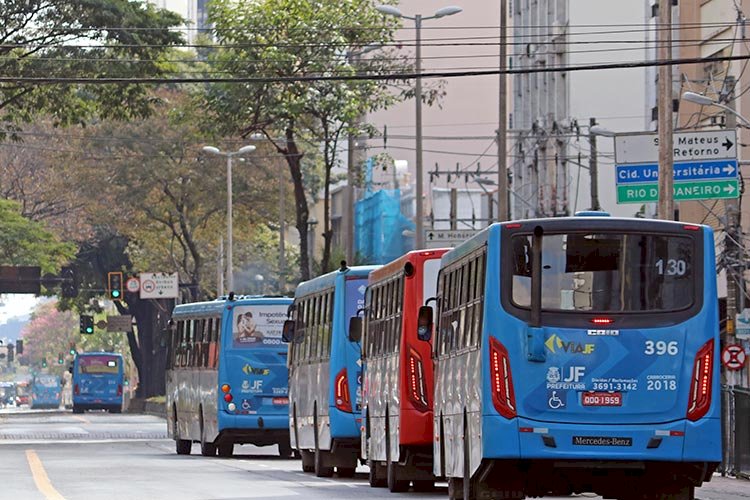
x: 258, y: 325
x: 98, y: 364
x: 607, y: 272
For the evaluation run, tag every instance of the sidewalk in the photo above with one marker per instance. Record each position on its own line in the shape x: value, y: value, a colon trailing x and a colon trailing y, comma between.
x: 724, y: 488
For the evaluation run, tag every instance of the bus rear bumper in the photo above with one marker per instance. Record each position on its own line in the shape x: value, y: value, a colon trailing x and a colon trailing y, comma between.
x: 679, y: 441
x: 258, y: 437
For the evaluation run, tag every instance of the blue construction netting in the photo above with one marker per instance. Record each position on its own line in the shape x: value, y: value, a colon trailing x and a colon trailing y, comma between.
x: 379, y: 227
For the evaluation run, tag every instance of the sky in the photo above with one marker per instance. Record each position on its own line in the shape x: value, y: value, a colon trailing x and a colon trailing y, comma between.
x: 15, y: 305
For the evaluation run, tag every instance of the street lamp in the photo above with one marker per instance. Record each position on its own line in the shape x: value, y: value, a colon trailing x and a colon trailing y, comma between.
x: 703, y: 100
x: 417, y: 18
x: 216, y: 151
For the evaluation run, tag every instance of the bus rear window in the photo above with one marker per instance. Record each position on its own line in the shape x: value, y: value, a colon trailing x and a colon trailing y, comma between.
x: 258, y: 325
x: 607, y: 272
x: 98, y: 364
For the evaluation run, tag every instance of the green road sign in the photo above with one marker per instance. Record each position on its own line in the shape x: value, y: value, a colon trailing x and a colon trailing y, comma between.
x: 693, y: 190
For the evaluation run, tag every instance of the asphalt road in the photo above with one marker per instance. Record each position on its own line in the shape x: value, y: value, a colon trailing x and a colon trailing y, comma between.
x: 56, y: 456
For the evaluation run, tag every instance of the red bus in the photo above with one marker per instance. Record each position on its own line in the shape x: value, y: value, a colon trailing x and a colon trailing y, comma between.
x: 397, y: 373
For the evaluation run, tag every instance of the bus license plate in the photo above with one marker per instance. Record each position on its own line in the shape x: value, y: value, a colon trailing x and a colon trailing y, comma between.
x: 602, y: 399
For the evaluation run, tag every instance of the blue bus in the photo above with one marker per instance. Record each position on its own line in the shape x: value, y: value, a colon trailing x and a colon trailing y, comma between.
x: 227, y: 375
x: 577, y: 354
x: 97, y: 382
x: 45, y: 391
x: 325, y: 371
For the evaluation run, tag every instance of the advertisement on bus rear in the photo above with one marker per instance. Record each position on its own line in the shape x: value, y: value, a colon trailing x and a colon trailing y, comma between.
x: 257, y: 325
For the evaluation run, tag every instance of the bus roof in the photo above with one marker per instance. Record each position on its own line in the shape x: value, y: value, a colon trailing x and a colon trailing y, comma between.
x: 580, y: 221
x: 215, y: 307
x: 328, y: 280
x: 98, y: 353
x: 397, y: 265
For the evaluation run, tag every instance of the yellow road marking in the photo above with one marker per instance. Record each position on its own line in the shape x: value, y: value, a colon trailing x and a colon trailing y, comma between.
x: 81, y: 419
x: 40, y: 477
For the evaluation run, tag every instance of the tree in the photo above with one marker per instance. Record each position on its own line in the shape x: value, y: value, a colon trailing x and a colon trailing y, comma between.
x: 292, y: 38
x: 84, y: 38
x: 27, y: 243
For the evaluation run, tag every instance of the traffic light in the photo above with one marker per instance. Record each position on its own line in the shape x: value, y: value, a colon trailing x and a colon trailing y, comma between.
x: 69, y: 285
x: 60, y: 358
x: 87, y: 324
x: 72, y: 349
x: 114, y: 285
x: 19, y: 346
x: 44, y: 363
x: 11, y: 348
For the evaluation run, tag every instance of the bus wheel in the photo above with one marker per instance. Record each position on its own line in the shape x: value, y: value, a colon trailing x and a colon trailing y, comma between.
x: 77, y: 409
x: 320, y: 469
x: 345, y: 471
x: 395, y: 483
x: 116, y: 409
x: 376, y: 477
x: 285, y: 449
x: 183, y: 446
x: 308, y: 461
x: 226, y: 450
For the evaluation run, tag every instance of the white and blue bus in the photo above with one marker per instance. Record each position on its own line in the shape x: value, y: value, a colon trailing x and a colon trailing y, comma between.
x: 98, y: 378
x: 325, y: 371
x: 46, y: 390
x: 577, y: 354
x: 227, y: 375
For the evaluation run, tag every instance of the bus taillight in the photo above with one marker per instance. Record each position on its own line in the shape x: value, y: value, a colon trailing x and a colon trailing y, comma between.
x: 417, y: 389
x: 700, y: 387
x: 501, y: 380
x: 76, y: 389
x: 119, y: 390
x: 343, y: 402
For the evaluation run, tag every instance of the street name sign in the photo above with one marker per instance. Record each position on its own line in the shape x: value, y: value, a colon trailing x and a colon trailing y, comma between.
x: 705, y: 166
x: 442, y: 238
x: 159, y: 285
x: 122, y: 323
x: 687, y: 146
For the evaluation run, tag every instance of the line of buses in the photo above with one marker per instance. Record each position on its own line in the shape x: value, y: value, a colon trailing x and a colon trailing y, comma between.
x: 540, y: 357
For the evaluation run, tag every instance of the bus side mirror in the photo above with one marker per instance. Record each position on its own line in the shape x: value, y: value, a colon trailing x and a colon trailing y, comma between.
x: 355, y: 329
x: 287, y: 334
x: 424, y: 323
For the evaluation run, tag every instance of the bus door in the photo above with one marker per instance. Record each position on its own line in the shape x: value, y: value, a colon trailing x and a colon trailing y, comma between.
x: 355, y: 300
x: 254, y: 360
x: 618, y: 335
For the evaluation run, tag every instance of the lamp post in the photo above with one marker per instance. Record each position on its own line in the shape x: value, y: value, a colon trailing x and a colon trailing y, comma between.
x: 229, y: 155
x: 734, y: 247
x: 418, y: 18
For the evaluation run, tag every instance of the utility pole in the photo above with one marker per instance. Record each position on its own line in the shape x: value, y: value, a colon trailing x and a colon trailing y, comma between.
x: 502, y: 129
x: 593, y: 167
x: 664, y: 105
x: 733, y: 244
x: 419, y: 237
x: 220, y: 269
x: 282, y: 233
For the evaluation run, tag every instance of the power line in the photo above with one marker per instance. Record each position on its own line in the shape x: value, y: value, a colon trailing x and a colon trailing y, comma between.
x: 365, y: 77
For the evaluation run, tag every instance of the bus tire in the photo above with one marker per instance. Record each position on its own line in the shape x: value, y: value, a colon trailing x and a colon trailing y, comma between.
x: 345, y: 471
x: 183, y: 446
x: 207, y: 449
x: 376, y: 480
x: 308, y: 461
x: 77, y: 409
x: 226, y: 450
x: 395, y: 483
x: 285, y: 449
x: 321, y: 470
x: 116, y: 409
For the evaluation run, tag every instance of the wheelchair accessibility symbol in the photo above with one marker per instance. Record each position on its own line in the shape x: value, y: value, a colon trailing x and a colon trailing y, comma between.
x: 556, y: 402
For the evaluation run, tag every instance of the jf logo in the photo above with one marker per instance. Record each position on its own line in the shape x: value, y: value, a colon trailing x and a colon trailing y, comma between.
x: 557, y: 344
